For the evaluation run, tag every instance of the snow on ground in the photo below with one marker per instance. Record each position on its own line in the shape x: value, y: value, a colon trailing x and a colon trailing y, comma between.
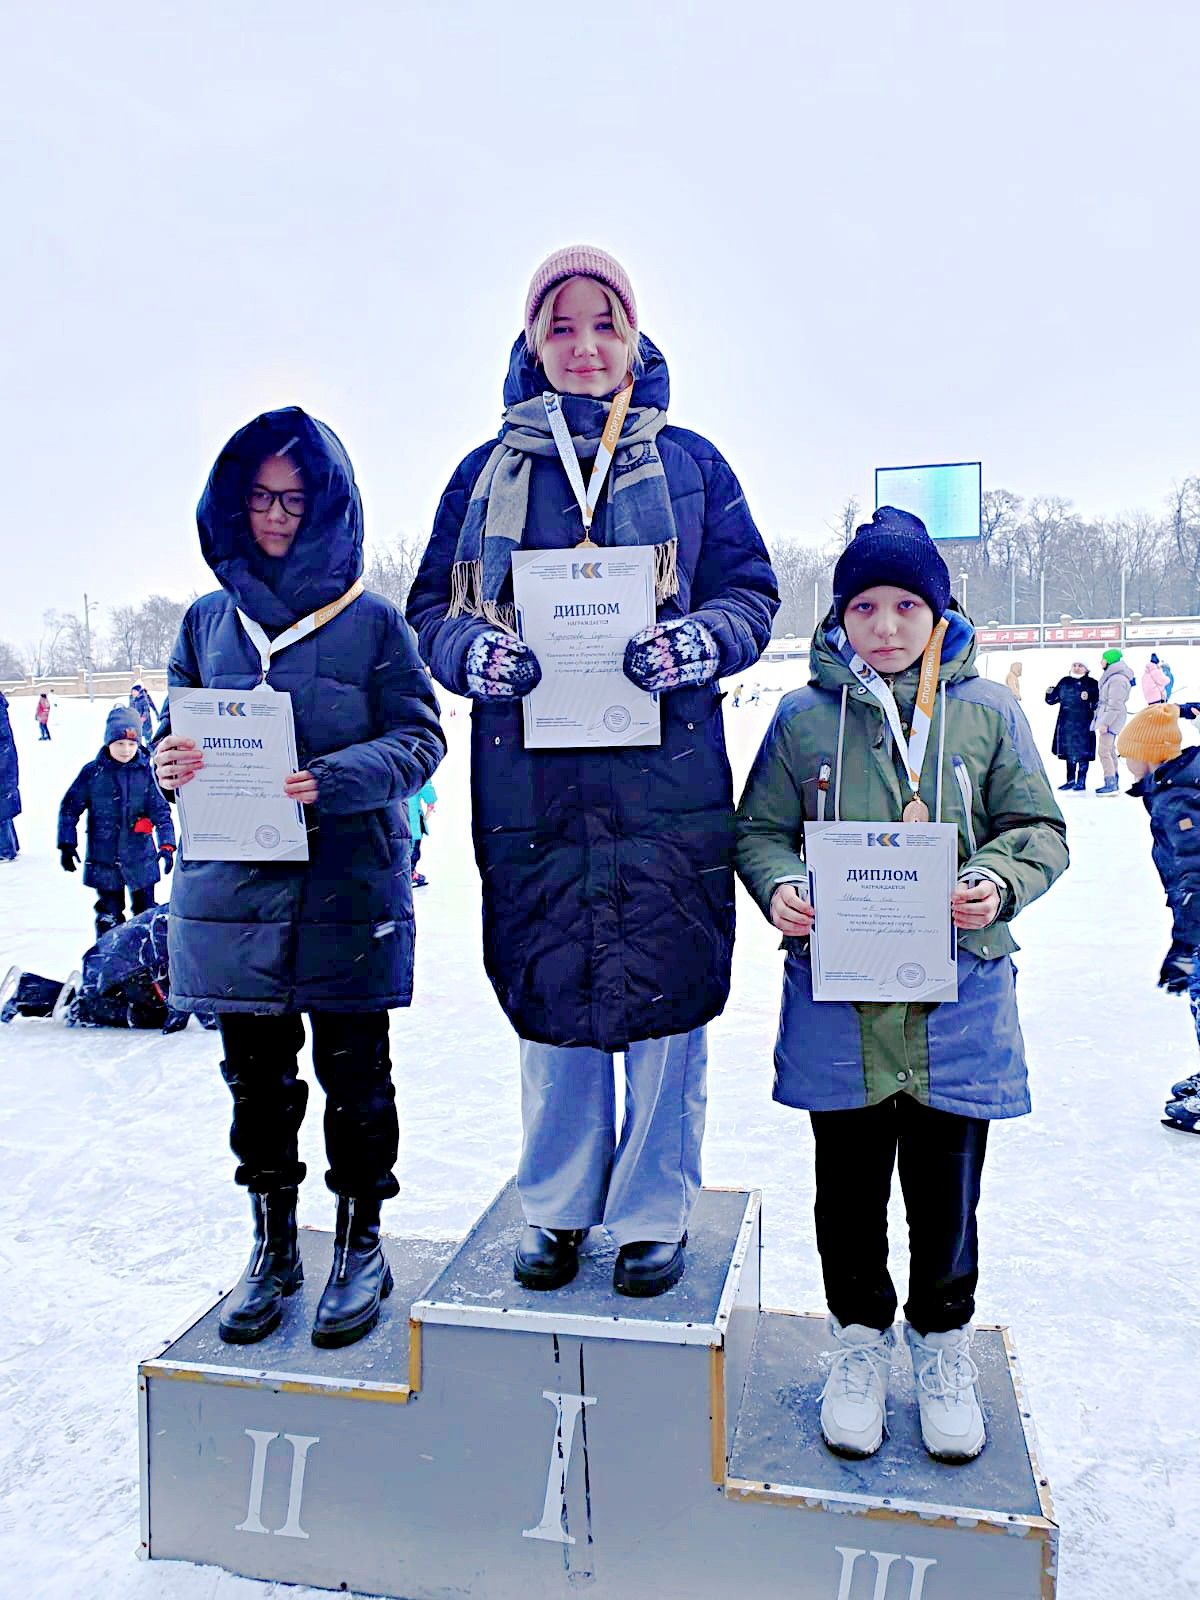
x: 118, y: 1214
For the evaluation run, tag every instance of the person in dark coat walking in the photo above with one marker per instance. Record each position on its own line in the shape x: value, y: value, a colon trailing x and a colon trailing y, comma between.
x: 10, y: 786
x: 1075, y: 695
x: 125, y: 810
x: 140, y: 701
x: 281, y: 527
x: 125, y: 982
x: 607, y: 872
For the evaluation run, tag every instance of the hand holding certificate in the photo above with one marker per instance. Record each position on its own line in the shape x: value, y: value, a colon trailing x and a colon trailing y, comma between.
x: 882, y: 895
x: 577, y: 610
x: 237, y: 805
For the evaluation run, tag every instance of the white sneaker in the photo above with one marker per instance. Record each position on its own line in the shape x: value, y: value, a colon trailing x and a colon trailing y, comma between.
x: 854, y: 1399
x: 951, y: 1418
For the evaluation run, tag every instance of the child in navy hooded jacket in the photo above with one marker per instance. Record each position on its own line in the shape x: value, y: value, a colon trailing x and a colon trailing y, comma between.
x: 125, y: 809
x: 1168, y: 785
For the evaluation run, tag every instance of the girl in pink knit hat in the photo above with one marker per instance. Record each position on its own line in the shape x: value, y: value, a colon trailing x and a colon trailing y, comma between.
x: 607, y: 869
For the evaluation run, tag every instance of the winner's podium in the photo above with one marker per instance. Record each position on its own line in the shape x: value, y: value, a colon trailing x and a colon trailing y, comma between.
x: 493, y: 1443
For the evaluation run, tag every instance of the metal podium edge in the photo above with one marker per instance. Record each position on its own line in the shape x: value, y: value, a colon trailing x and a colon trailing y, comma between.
x: 277, y: 1382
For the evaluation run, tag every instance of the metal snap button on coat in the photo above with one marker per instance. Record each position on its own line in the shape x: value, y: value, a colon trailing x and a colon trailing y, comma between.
x: 902, y: 1077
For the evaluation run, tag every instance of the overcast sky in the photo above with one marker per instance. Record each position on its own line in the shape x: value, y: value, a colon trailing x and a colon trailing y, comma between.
x: 862, y: 235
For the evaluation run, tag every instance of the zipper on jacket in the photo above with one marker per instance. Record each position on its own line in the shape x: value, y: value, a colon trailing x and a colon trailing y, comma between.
x: 963, y: 778
x: 823, y: 777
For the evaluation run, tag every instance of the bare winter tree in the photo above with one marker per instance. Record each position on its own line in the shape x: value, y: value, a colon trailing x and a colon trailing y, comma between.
x: 12, y: 663
x: 159, y: 618
x: 844, y: 524
x: 125, y: 636
x: 799, y: 568
x: 1183, y: 514
x: 999, y: 525
x: 392, y: 568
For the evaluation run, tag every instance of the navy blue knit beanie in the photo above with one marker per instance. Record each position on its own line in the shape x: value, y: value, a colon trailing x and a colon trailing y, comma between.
x: 122, y: 724
x: 892, y: 548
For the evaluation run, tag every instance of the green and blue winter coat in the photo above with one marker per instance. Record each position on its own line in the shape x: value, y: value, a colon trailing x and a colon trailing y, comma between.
x: 828, y: 755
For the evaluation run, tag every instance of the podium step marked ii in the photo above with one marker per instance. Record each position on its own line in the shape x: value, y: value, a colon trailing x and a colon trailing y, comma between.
x: 491, y: 1442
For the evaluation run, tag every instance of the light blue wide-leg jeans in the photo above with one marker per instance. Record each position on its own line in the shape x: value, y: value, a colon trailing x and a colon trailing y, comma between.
x: 575, y: 1173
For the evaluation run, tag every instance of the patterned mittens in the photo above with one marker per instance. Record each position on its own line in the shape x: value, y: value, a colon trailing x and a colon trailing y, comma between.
x: 672, y: 654
x: 500, y: 667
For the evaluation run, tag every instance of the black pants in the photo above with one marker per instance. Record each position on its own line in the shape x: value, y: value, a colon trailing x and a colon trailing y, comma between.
x: 37, y: 996
x: 941, y: 1162
x: 110, y: 906
x: 1077, y: 771
x: 352, y: 1065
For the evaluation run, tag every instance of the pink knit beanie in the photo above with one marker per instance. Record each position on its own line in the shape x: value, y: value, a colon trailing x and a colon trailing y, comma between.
x: 580, y: 260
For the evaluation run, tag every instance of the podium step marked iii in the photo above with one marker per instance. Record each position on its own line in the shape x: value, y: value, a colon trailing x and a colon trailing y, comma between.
x: 491, y: 1442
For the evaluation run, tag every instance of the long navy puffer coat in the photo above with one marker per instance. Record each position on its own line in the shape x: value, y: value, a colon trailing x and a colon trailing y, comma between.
x: 10, y: 788
x: 1076, y: 699
x: 334, y: 933
x: 607, y: 874
x: 115, y: 796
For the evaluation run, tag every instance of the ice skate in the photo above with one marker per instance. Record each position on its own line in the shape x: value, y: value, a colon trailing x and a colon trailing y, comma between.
x: 1185, y: 1089
x: 8, y: 993
x: 854, y: 1399
x: 1183, y: 1114
x: 62, y: 1006
x: 951, y: 1418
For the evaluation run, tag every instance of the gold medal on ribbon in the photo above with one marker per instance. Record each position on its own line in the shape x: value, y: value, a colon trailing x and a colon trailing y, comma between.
x: 915, y: 811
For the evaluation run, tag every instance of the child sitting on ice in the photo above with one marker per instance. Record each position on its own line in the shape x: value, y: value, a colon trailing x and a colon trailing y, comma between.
x: 1168, y: 784
x: 125, y: 807
x: 125, y: 983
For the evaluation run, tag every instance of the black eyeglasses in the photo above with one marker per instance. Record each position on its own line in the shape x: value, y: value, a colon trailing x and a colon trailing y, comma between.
x: 292, y: 500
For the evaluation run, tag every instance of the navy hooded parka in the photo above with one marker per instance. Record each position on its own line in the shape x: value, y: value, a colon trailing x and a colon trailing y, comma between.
x: 607, y: 874
x: 334, y: 933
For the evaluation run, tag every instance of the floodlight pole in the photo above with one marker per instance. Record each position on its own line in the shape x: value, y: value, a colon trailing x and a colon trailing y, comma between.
x: 1042, y: 604
x: 816, y: 606
x: 87, y: 646
x: 1123, y: 576
x: 1012, y: 594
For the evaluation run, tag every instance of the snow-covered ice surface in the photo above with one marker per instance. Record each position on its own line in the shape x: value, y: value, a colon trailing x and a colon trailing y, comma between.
x: 118, y: 1215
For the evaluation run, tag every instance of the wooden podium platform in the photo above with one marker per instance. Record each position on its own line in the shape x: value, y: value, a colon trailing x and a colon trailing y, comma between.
x: 491, y: 1442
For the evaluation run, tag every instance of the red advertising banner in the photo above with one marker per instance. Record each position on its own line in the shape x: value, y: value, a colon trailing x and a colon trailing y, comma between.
x: 1007, y: 635
x: 1100, y: 633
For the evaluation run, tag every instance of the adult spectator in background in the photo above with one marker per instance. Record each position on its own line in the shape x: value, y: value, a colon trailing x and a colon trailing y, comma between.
x: 1076, y: 695
x: 1013, y: 680
x: 42, y: 715
x: 10, y: 791
x: 1111, y: 712
x: 1154, y: 682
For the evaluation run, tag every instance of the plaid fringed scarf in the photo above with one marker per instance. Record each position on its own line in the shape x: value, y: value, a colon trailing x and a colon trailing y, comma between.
x: 638, y: 497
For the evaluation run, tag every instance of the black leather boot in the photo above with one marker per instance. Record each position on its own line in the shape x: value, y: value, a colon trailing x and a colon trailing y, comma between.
x: 358, y: 1280
x: 546, y: 1258
x: 648, y: 1267
x: 254, y: 1306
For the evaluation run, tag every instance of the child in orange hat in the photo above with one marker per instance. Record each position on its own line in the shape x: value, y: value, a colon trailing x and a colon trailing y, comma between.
x: 1168, y: 784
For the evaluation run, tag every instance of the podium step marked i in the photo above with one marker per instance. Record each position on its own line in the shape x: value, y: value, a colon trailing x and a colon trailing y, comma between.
x: 491, y: 1442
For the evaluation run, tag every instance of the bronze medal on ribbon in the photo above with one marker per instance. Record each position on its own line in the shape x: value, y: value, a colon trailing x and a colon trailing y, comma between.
x: 915, y: 811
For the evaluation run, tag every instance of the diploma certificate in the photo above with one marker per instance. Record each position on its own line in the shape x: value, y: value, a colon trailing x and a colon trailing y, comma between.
x: 881, y: 892
x: 577, y: 610
x: 234, y: 809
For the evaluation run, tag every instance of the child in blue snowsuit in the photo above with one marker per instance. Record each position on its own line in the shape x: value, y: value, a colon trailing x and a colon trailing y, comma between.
x: 1168, y: 785
x: 125, y: 983
x: 125, y: 810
